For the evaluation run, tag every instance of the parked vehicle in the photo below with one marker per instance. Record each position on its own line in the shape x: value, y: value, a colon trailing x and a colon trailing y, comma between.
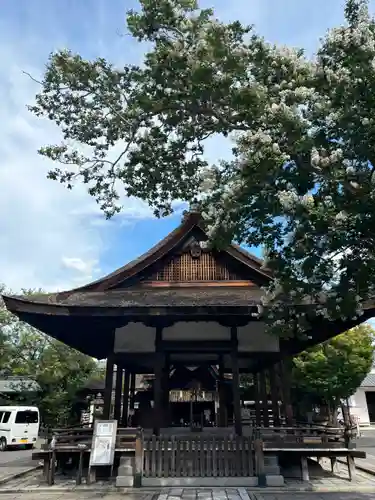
x: 19, y: 426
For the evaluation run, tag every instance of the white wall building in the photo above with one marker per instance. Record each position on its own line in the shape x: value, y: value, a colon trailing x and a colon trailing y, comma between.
x: 362, y: 404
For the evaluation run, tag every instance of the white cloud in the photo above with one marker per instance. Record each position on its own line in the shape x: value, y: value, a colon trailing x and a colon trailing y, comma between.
x: 38, y: 226
x: 77, y: 264
x: 49, y: 237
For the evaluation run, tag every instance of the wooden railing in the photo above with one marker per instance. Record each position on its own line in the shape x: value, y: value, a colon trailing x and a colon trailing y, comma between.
x: 200, y: 455
x: 75, y: 443
x: 311, y: 441
x: 191, y: 456
x: 307, y: 434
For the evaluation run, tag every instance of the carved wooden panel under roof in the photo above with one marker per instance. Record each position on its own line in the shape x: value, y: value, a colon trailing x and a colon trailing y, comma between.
x: 185, y: 267
x: 194, y: 263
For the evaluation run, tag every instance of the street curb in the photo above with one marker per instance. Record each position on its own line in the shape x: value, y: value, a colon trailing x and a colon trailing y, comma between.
x: 16, y: 475
x: 362, y: 468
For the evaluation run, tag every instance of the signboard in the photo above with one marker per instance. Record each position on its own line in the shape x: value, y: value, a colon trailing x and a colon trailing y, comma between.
x: 85, y: 417
x: 104, y: 442
x: 245, y: 413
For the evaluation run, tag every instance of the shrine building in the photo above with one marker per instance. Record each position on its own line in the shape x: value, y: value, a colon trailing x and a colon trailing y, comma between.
x: 179, y: 308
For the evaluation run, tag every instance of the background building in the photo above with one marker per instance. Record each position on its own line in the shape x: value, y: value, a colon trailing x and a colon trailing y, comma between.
x: 362, y: 404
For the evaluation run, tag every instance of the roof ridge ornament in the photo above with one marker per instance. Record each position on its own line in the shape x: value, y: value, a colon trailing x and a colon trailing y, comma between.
x: 193, y: 212
x: 195, y: 248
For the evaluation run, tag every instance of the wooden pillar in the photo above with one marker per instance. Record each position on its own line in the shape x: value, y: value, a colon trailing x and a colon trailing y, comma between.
x: 236, y: 383
x: 274, y: 386
x: 125, y: 400
x: 132, y: 390
x: 285, y: 376
x: 165, y: 389
x: 222, y: 402
x: 118, y: 393
x: 263, y: 395
x: 108, y: 388
x: 258, y: 419
x: 159, y: 361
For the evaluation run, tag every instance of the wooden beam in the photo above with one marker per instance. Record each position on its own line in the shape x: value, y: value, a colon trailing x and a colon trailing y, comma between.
x: 165, y: 389
x: 194, y: 284
x: 257, y: 400
x: 108, y: 388
x: 222, y: 403
x: 159, y: 360
x: 118, y: 393
x: 132, y: 390
x: 125, y: 400
x: 285, y: 376
x: 236, y: 383
x: 274, y: 396
x: 263, y: 395
x: 194, y: 346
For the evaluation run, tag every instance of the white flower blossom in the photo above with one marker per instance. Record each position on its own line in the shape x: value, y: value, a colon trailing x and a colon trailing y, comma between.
x: 350, y: 170
x: 288, y: 199
x: 341, y: 217
x: 307, y: 201
x: 315, y: 158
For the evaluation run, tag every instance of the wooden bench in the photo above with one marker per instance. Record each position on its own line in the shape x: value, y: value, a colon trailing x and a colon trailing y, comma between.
x: 319, y: 452
x: 326, y: 433
x: 310, y: 442
x: 76, y: 443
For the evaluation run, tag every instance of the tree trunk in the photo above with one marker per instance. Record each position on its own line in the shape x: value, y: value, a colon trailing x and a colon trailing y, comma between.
x: 334, y: 415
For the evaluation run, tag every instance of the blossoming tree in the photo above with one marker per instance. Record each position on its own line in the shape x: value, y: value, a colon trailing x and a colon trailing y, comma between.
x: 301, y: 180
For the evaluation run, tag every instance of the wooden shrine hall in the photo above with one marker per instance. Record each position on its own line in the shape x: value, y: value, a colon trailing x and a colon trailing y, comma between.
x: 182, y: 305
x: 179, y: 304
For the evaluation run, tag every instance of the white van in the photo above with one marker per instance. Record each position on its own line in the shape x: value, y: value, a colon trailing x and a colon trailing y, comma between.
x: 19, y: 426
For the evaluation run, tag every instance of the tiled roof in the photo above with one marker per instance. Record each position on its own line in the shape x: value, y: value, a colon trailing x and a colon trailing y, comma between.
x: 156, y: 297
x: 369, y: 381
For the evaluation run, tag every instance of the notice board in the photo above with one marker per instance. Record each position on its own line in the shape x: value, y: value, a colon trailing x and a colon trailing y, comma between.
x: 104, y: 442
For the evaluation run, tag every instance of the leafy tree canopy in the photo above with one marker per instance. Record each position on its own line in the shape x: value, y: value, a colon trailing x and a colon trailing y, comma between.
x: 59, y: 370
x: 301, y: 180
x: 333, y: 371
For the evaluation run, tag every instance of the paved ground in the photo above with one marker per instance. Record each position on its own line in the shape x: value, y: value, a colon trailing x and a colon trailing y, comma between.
x: 32, y: 487
x: 367, y: 441
x: 14, y: 463
x: 16, y: 457
x: 29, y: 487
x: 189, y: 495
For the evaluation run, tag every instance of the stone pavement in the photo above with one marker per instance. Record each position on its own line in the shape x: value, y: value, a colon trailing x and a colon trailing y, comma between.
x: 322, y: 486
x: 12, y: 472
x: 367, y: 464
x: 193, y: 494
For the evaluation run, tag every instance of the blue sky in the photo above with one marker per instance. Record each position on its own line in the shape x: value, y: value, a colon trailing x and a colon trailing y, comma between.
x: 56, y: 239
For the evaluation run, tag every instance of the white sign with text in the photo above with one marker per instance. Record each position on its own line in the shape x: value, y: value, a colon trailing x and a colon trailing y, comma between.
x: 104, y: 442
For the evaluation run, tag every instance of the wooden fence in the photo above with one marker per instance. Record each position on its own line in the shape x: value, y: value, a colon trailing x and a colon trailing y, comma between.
x: 199, y: 455
x: 192, y: 456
